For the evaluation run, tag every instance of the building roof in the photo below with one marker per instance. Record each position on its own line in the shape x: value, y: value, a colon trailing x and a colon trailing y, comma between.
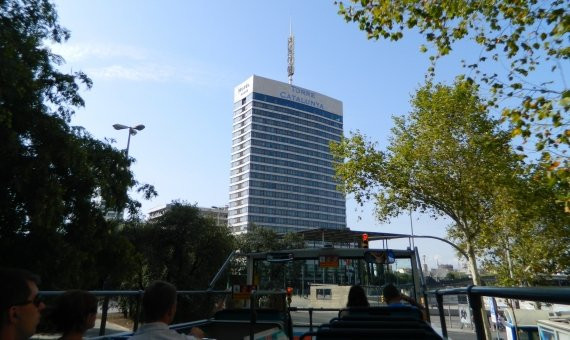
x: 346, y: 235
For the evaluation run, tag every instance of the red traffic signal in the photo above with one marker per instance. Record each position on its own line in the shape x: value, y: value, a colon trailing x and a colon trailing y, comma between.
x: 289, y: 293
x: 364, y: 240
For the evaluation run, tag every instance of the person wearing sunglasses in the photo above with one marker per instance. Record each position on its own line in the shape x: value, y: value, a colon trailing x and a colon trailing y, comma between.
x: 20, y: 304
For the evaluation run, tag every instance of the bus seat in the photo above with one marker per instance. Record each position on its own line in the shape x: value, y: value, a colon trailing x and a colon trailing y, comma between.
x: 245, y: 314
x: 384, y: 312
x: 368, y: 333
x: 377, y: 324
x: 237, y: 329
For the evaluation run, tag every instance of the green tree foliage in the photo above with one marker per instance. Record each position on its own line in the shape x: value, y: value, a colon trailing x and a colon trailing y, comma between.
x: 529, y: 236
x: 53, y: 176
x: 446, y: 158
x: 529, y: 38
x: 187, y: 250
x: 184, y: 248
x: 456, y: 276
x: 260, y: 239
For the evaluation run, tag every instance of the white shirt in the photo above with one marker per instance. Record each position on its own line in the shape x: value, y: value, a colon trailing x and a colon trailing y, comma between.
x: 159, y: 330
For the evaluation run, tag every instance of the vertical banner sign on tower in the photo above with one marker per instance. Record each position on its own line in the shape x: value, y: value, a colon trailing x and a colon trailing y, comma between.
x: 464, y: 315
x: 493, y: 308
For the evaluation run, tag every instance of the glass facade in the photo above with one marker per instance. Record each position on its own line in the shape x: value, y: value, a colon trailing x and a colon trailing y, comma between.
x: 281, y: 174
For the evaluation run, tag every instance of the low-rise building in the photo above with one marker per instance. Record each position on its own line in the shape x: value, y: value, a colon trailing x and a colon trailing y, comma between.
x: 218, y: 214
x: 441, y: 271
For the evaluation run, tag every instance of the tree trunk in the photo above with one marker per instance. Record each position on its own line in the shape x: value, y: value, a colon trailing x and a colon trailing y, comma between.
x: 473, y: 265
x: 477, y: 281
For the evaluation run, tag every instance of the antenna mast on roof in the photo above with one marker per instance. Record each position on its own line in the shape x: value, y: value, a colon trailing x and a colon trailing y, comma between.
x: 290, y: 54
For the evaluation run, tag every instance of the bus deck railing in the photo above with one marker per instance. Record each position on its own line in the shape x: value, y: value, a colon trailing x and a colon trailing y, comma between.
x: 107, y: 294
x: 475, y: 293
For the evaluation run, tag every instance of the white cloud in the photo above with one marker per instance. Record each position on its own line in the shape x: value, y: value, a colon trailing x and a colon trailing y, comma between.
x: 146, y: 72
x: 138, y: 72
x: 123, y: 62
x: 77, y: 52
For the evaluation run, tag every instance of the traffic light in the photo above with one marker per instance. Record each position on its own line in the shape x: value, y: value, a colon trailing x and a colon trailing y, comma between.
x: 364, y: 240
x: 289, y: 293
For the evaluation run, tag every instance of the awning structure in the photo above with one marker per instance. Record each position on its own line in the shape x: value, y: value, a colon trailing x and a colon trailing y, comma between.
x: 347, y: 236
x: 351, y: 238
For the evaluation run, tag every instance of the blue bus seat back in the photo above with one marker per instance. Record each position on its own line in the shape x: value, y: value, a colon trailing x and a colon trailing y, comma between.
x: 384, y: 311
x: 245, y: 314
x: 379, y: 324
x: 368, y: 333
x: 237, y: 329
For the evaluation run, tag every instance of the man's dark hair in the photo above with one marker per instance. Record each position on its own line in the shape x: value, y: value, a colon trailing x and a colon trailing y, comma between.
x: 14, y: 289
x: 390, y: 292
x: 158, y: 298
x: 357, y: 297
x: 72, y: 309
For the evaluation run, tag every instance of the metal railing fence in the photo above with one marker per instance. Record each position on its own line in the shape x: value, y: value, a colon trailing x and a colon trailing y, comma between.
x: 108, y: 294
x: 475, y: 293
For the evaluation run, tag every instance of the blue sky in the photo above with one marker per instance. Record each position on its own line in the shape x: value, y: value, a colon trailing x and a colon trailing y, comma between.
x: 172, y: 66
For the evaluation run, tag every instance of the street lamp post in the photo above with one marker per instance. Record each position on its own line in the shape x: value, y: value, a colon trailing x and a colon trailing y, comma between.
x: 132, y: 131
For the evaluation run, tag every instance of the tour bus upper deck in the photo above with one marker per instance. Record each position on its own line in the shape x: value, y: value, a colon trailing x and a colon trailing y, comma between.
x: 278, y: 301
x: 301, y: 269
x: 303, y: 290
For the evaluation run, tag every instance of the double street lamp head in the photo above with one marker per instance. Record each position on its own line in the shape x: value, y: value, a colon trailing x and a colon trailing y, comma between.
x: 132, y: 129
x: 120, y: 126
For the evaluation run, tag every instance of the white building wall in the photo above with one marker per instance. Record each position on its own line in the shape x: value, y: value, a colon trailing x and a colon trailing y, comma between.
x: 281, y: 173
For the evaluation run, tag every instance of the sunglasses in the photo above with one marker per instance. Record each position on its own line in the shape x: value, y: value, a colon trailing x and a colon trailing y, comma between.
x: 37, y: 301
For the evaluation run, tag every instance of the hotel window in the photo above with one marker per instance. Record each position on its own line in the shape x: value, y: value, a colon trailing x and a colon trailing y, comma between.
x: 324, y: 294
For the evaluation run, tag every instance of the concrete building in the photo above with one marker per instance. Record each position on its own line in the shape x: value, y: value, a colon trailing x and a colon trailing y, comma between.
x: 281, y: 165
x: 441, y: 271
x: 218, y: 214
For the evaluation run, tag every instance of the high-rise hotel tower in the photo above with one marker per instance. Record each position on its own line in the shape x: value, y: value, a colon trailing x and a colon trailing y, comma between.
x: 281, y: 165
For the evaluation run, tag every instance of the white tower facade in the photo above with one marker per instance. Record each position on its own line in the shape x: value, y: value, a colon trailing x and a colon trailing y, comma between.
x: 281, y: 174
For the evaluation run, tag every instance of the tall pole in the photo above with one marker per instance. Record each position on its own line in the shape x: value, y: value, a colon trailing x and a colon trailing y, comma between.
x: 290, y: 54
x: 129, y: 142
x: 412, y: 229
x: 132, y: 131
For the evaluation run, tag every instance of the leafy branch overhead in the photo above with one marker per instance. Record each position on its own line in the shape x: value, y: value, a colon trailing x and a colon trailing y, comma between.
x: 55, y: 177
x: 448, y: 158
x: 529, y: 38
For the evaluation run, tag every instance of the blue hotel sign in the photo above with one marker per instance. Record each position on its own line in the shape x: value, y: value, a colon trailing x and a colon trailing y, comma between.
x: 288, y: 92
x: 302, y: 96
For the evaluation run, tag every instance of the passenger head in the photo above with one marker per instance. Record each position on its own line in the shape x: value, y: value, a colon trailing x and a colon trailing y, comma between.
x: 159, y: 302
x: 75, y: 311
x: 20, y: 303
x: 357, y: 297
x: 391, y: 294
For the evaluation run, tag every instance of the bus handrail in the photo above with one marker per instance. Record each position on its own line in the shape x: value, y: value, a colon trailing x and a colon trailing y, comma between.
x: 222, y: 269
x: 543, y: 294
x: 474, y: 294
x: 106, y: 294
x: 103, y: 293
